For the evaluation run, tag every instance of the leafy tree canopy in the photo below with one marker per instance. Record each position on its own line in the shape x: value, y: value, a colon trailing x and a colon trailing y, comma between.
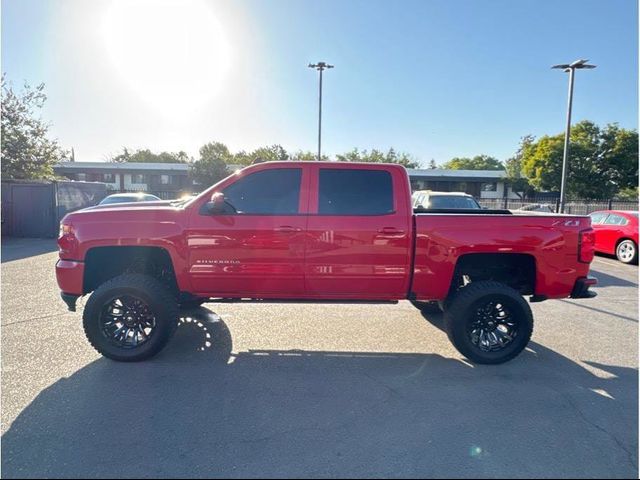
x: 263, y: 154
x: 211, y: 166
x: 602, y: 161
x: 513, y: 166
x: 479, y: 162
x: 147, y: 156
x: 307, y: 156
x: 376, y: 156
x: 27, y: 150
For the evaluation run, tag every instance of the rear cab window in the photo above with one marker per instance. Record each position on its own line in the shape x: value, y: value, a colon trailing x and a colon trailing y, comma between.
x: 355, y: 192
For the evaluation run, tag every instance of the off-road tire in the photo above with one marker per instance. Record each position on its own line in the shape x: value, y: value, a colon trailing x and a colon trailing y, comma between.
x: 461, y: 312
x: 160, y: 301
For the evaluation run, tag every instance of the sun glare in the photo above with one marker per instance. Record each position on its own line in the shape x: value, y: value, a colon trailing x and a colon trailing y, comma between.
x: 173, y: 53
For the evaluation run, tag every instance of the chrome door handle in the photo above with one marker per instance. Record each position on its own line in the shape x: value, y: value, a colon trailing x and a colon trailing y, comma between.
x: 287, y: 229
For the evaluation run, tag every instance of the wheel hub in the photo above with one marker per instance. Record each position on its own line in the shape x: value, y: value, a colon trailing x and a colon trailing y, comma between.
x: 127, y: 321
x: 493, y: 328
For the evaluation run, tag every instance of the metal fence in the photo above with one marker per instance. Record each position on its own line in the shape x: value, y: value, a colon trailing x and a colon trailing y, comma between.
x: 575, y: 207
x: 34, y: 208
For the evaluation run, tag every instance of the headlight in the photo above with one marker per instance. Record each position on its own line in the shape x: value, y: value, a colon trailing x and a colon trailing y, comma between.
x: 65, y: 230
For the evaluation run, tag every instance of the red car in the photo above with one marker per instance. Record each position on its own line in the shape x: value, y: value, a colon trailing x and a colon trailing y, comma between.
x: 617, y: 234
x: 318, y: 231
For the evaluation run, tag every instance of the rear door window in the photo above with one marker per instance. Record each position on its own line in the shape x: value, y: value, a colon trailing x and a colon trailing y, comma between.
x: 355, y: 192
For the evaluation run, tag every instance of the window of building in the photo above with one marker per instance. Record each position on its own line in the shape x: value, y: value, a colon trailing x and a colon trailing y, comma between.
x: 82, y: 177
x: 137, y: 178
x: 165, y: 180
x: 355, y: 192
x: 489, y: 186
x: 109, y: 177
x: 269, y: 192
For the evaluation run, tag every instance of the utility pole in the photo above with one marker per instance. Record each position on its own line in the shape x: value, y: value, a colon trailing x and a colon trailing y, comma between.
x: 320, y: 66
x: 570, y: 68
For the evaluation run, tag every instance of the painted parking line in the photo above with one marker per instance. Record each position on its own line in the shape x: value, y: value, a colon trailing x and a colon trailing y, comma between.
x: 612, y: 263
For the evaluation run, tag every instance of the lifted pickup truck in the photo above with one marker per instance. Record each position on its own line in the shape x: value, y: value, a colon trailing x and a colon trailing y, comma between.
x: 317, y: 231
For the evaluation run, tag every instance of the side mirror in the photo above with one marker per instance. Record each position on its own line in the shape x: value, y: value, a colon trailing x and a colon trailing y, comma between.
x: 216, y: 205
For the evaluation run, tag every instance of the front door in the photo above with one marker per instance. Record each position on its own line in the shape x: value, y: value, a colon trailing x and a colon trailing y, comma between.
x: 256, y: 247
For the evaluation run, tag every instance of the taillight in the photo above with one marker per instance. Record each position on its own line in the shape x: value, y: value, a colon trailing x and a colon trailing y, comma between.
x: 586, y: 246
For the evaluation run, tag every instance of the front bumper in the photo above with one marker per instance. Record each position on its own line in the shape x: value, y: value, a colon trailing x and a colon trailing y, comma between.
x: 70, y: 275
x: 581, y: 288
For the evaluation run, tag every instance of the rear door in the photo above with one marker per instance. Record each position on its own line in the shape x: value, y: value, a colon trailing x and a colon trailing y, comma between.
x: 358, y: 232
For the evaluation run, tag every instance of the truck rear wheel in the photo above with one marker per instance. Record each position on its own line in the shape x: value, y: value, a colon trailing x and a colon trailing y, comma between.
x: 488, y: 322
x: 130, y: 317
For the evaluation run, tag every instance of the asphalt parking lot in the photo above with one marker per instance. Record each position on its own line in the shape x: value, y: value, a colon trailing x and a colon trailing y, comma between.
x: 294, y: 390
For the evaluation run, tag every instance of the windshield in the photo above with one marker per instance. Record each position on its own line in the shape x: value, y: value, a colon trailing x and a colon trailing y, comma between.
x: 127, y: 199
x: 453, y: 201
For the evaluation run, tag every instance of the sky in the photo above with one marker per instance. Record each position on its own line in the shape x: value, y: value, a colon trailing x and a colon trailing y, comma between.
x: 433, y: 78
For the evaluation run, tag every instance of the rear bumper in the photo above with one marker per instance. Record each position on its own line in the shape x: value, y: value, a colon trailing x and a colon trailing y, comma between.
x: 581, y: 288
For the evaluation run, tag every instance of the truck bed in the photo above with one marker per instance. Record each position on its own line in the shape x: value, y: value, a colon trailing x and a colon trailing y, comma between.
x: 551, y: 241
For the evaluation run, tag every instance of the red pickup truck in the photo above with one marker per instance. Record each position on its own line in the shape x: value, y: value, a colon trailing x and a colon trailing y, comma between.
x: 317, y: 231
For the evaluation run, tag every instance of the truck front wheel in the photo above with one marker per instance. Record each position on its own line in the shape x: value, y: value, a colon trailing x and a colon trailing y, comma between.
x: 130, y: 317
x: 488, y: 322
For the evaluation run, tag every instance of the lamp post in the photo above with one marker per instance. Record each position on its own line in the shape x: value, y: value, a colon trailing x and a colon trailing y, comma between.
x: 570, y: 68
x: 320, y: 66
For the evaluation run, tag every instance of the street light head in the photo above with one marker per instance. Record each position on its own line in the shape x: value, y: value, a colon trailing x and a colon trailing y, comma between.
x: 578, y: 63
x: 320, y: 66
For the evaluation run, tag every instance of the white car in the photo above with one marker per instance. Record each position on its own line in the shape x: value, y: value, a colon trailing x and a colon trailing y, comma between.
x: 448, y: 200
x: 128, y: 198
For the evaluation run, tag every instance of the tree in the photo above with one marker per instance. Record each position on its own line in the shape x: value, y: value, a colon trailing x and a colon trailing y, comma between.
x: 27, y: 152
x: 513, y: 166
x: 630, y: 194
x: 479, y: 162
x: 432, y: 164
x: 147, y: 156
x: 376, y: 156
x: 302, y: 156
x: 274, y: 153
x: 211, y: 167
x: 601, y: 161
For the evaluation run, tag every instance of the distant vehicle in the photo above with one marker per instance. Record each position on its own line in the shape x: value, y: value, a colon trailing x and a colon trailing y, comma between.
x: 450, y: 200
x: 128, y: 198
x: 536, y: 207
x: 616, y: 234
